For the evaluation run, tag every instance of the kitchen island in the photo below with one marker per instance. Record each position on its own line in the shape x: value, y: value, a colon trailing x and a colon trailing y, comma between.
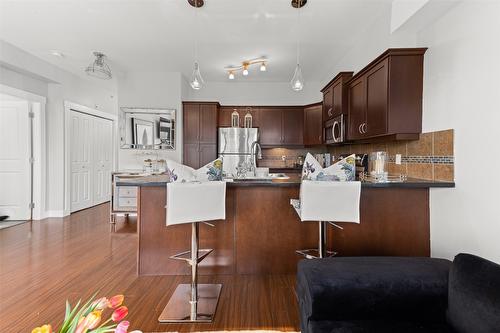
x: 262, y: 230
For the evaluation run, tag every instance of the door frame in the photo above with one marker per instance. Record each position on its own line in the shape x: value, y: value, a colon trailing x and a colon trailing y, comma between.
x: 37, y: 105
x: 68, y: 107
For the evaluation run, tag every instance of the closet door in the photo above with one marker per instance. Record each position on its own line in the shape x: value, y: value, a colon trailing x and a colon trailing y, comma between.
x: 102, y: 159
x: 80, y: 158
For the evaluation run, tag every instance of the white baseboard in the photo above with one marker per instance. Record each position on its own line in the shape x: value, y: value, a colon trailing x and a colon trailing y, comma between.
x: 55, y: 213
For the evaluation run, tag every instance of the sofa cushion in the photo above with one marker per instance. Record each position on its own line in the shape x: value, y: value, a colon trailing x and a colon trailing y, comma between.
x: 474, y: 295
x: 369, y: 288
x: 376, y: 326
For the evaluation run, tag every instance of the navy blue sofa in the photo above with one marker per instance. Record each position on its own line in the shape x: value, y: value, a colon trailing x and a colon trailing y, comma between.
x: 399, y: 294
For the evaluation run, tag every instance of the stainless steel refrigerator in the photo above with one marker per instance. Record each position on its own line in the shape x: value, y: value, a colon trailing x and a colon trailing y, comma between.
x: 234, y: 147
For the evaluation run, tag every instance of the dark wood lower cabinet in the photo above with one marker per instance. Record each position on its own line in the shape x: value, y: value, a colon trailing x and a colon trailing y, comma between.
x: 262, y: 231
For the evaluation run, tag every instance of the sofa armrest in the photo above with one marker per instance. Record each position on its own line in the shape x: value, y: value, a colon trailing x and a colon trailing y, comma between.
x: 352, y: 288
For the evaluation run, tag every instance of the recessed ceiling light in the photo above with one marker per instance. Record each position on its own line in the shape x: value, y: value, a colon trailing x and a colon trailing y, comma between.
x: 57, y: 53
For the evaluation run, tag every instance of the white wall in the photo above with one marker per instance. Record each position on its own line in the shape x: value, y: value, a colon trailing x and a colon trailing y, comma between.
x: 156, y: 90
x: 22, y: 70
x: 257, y: 93
x: 462, y: 91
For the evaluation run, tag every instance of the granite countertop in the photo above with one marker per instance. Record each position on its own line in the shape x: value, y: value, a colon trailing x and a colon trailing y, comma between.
x: 294, y: 180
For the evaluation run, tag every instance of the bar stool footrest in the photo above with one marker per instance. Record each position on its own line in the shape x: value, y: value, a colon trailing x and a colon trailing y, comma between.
x: 178, y: 309
x: 314, y: 253
x: 186, y: 255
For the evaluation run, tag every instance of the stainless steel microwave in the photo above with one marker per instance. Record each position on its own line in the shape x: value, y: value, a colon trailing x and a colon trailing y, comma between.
x: 335, y: 130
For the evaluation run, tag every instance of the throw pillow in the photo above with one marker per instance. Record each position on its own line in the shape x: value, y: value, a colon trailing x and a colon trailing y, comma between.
x: 343, y: 170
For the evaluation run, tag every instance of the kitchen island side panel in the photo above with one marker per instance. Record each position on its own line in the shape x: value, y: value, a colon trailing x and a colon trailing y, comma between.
x: 262, y: 231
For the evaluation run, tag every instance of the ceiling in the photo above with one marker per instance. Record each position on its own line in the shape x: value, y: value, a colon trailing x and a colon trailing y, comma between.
x: 158, y: 35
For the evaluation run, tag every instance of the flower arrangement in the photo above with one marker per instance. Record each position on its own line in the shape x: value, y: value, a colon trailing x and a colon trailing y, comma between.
x: 87, y: 318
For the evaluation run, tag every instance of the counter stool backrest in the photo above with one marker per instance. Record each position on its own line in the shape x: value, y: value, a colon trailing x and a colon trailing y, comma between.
x: 196, y: 202
x: 331, y: 201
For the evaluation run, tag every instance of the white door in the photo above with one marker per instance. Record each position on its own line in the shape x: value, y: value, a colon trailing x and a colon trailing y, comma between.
x: 103, y: 159
x: 81, y: 164
x: 14, y: 160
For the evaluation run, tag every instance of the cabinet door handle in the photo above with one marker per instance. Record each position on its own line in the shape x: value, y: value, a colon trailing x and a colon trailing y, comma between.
x: 359, y: 128
x: 364, y: 128
x: 330, y: 112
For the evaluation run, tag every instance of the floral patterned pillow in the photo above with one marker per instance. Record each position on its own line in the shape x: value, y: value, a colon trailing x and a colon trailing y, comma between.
x: 343, y: 170
x: 179, y: 172
x: 211, y: 171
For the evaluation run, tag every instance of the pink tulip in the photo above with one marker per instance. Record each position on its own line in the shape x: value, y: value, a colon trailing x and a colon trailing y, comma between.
x: 122, y: 327
x: 119, y: 313
x: 115, y: 301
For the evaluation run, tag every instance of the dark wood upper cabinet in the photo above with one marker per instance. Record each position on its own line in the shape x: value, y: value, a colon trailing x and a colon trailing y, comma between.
x: 385, y: 97
x: 281, y: 126
x: 313, y: 124
x: 199, y: 132
x: 335, y: 96
x: 293, y: 126
x: 270, y: 129
x: 226, y: 111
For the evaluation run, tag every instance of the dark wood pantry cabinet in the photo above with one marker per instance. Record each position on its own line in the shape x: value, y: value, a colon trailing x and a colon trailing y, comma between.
x: 385, y: 97
x: 199, y: 132
x: 313, y: 124
x: 335, y: 96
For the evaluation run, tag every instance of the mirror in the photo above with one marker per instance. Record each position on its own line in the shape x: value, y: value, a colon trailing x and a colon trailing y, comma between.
x: 147, y: 128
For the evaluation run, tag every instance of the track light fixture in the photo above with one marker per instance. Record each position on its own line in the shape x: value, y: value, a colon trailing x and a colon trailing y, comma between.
x: 245, y: 66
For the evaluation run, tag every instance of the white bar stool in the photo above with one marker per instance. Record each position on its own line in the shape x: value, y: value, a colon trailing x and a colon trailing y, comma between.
x: 327, y: 202
x: 194, y: 203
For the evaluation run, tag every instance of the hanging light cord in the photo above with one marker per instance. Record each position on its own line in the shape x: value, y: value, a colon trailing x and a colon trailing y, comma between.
x: 196, y: 31
x: 298, y: 30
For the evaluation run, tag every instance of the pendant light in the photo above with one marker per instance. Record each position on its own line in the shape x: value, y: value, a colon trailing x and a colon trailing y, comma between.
x: 297, y: 79
x: 99, y: 68
x: 196, y: 80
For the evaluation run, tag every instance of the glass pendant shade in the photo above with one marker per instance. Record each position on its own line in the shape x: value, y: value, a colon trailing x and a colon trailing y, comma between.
x: 99, y: 68
x: 196, y: 81
x: 297, y: 80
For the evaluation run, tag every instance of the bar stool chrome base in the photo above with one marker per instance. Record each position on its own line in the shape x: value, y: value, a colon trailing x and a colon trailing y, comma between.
x: 315, y: 253
x: 321, y: 251
x: 192, y: 303
x: 180, y: 309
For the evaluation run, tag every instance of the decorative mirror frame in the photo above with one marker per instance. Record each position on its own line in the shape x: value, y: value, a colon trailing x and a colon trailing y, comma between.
x: 171, y: 145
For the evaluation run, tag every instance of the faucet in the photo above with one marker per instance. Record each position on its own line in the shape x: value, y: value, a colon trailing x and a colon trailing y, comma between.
x: 255, y: 155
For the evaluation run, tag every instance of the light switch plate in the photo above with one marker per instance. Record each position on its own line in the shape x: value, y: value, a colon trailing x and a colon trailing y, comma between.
x: 398, y: 159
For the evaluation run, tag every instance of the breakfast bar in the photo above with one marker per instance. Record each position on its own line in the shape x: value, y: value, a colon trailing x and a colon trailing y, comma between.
x: 262, y: 230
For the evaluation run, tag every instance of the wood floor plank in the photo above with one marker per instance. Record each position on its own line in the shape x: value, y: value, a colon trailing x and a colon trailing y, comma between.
x: 46, y: 262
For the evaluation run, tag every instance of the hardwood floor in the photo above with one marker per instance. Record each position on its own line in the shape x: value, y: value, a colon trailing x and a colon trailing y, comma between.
x: 44, y: 263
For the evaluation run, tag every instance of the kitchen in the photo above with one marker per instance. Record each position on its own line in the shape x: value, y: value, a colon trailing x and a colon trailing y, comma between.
x: 255, y: 144
x: 294, y: 165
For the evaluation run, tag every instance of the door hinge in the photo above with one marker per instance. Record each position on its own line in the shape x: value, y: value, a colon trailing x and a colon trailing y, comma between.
x: 31, y: 114
x: 31, y: 205
x: 32, y: 160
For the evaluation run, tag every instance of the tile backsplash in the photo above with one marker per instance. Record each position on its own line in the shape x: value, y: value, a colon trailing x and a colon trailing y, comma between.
x: 273, y: 157
x: 431, y: 157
